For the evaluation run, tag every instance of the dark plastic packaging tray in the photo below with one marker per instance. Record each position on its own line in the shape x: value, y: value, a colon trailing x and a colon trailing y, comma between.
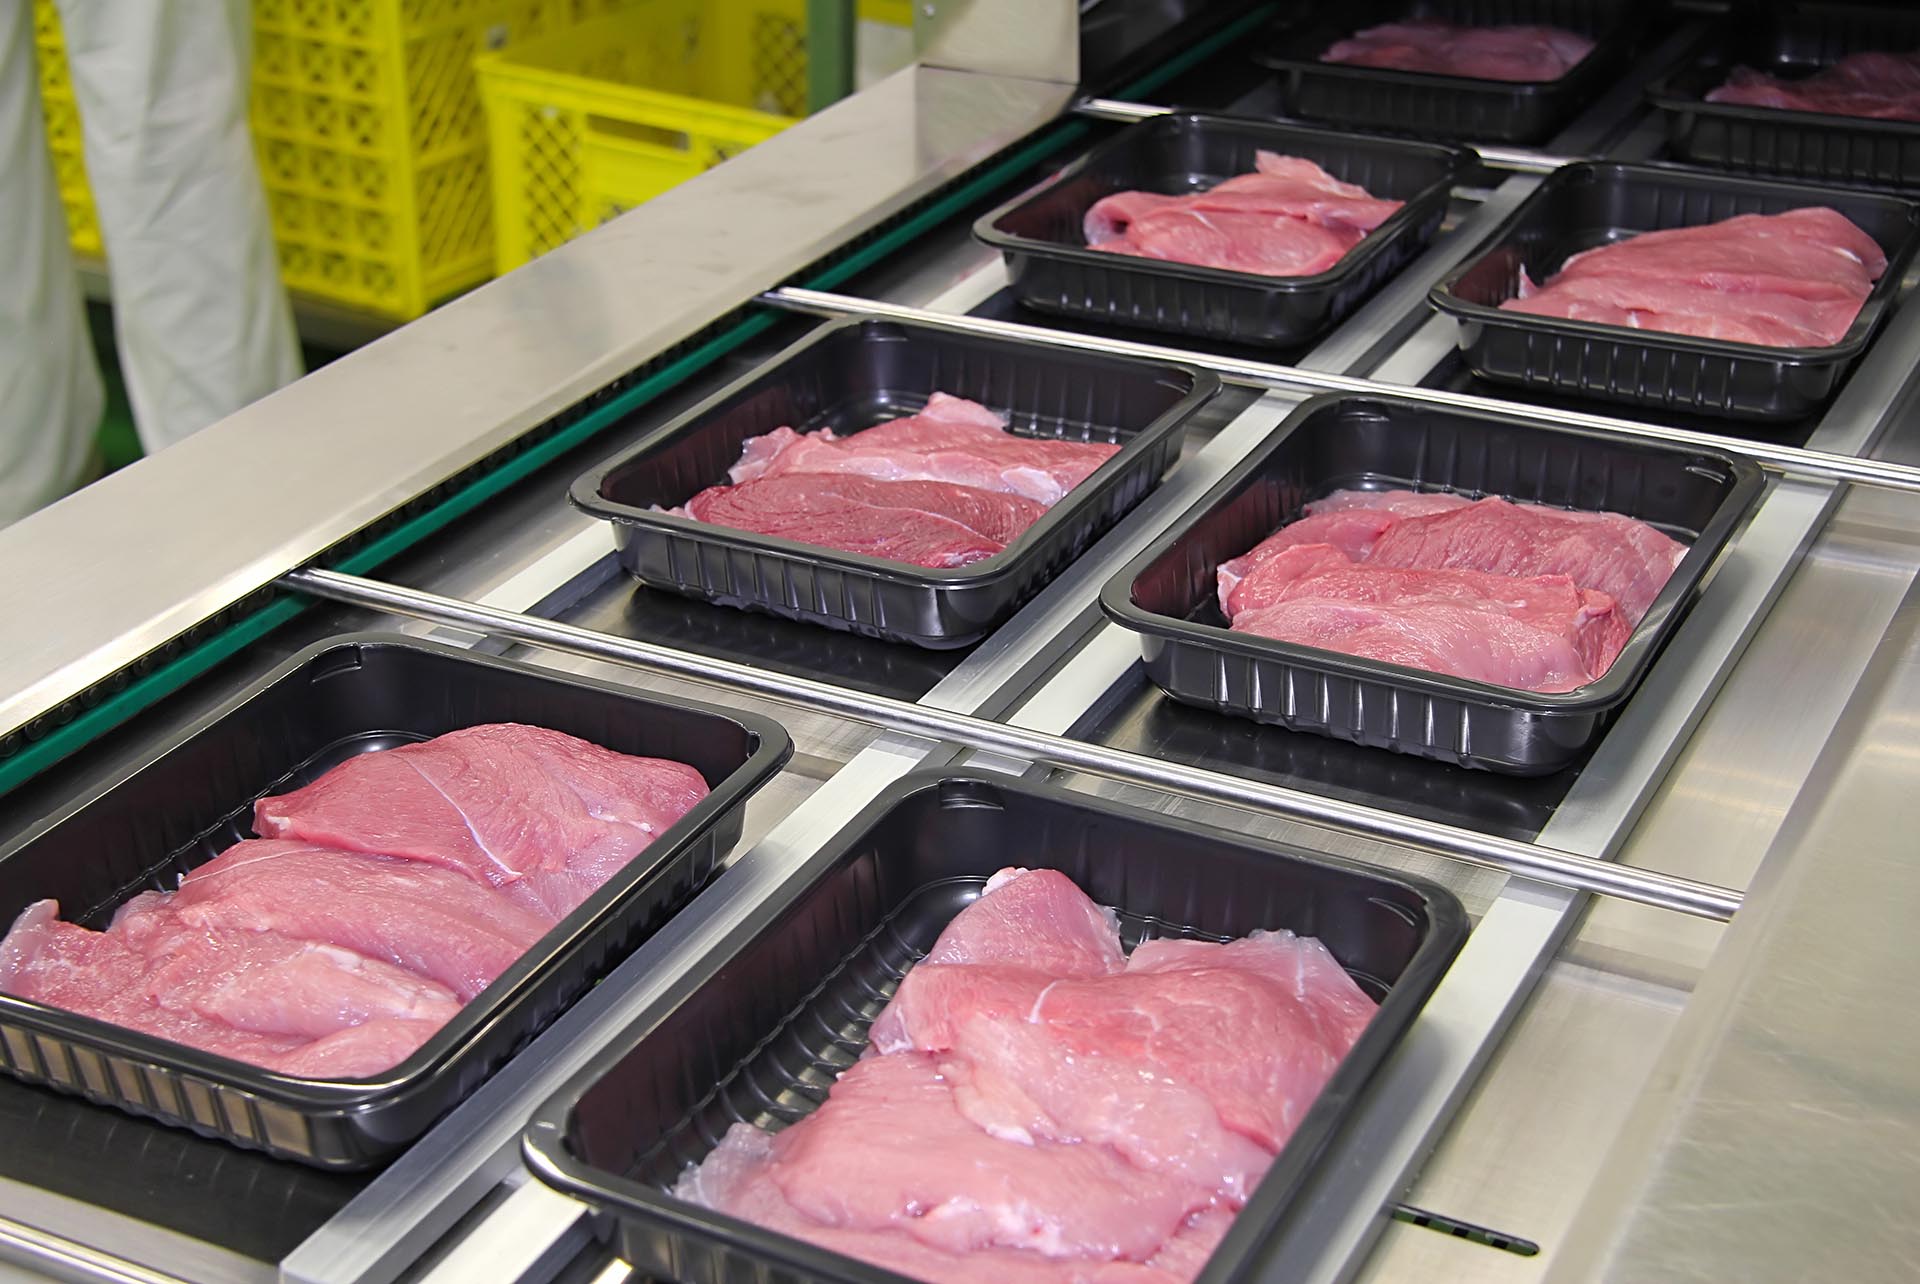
x: 194, y: 799
x: 1581, y: 206
x: 1793, y: 41
x: 1438, y: 106
x: 787, y: 1001
x: 851, y: 375
x: 1051, y: 269
x: 1167, y: 594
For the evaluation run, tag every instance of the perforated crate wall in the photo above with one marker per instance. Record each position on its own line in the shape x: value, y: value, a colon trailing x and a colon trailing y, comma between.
x: 63, y: 129
x: 374, y: 150
x: 371, y: 141
x: 592, y: 121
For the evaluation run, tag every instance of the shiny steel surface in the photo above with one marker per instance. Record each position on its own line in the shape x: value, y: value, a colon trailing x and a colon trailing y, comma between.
x: 1562, y: 868
x: 1520, y: 160
x: 1529, y: 1060
x: 1788, y: 1096
x: 279, y: 482
x: 1260, y: 374
x: 1034, y: 39
x: 1518, y: 1157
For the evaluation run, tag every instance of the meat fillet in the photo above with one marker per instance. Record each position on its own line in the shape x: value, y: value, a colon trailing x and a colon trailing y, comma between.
x: 1039, y: 1108
x: 1796, y: 279
x: 1250, y: 1030
x: 735, y: 1179
x: 546, y: 815
x: 1539, y: 633
x: 448, y: 861
x: 924, y: 523
x: 1517, y: 595
x: 1515, y: 53
x: 428, y: 919
x: 1288, y: 218
x: 1874, y: 86
x: 889, y: 1150
x: 1627, y: 560
x: 953, y: 440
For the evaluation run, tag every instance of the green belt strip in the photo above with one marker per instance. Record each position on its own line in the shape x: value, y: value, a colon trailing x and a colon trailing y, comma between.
x: 82, y: 728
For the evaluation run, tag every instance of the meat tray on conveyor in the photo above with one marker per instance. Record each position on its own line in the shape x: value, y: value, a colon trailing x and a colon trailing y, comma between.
x: 1167, y: 594
x: 195, y: 798
x: 1791, y: 41
x: 1582, y: 206
x: 1444, y: 106
x: 785, y: 1004
x: 1052, y: 269
x: 849, y: 376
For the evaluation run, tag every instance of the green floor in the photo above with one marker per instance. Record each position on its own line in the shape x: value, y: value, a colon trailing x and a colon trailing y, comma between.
x: 119, y: 443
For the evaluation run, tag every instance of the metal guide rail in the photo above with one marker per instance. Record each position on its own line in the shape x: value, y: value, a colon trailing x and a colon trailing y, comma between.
x: 1562, y: 869
x: 1038, y: 696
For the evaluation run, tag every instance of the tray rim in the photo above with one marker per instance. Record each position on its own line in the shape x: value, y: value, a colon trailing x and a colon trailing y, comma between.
x: 1613, y: 687
x: 1461, y: 163
x: 773, y: 749
x: 1712, y: 54
x: 1593, y: 64
x: 584, y: 493
x: 1860, y: 332
x: 543, y: 1142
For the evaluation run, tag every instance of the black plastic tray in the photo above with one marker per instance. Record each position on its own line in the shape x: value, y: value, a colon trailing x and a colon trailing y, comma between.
x: 1794, y: 40
x: 1167, y: 594
x: 195, y: 798
x: 852, y: 375
x: 787, y: 1000
x: 1580, y: 206
x: 1051, y: 269
x: 1436, y: 106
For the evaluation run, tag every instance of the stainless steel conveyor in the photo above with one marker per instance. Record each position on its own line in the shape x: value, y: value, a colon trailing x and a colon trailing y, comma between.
x: 1567, y: 1086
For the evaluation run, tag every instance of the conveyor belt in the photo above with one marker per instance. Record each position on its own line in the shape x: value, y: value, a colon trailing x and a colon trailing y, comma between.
x: 1057, y: 669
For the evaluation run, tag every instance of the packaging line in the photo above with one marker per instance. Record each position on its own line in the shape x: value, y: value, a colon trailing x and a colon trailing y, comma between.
x: 1564, y: 869
x: 1518, y: 160
x: 1790, y: 460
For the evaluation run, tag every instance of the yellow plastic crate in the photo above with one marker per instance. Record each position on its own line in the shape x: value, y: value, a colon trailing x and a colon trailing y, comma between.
x: 371, y: 140
x: 63, y: 129
x: 593, y: 121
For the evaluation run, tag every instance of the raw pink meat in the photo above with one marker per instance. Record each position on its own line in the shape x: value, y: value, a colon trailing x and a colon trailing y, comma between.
x: 1264, y: 244
x: 1536, y: 634
x: 1284, y: 185
x: 281, y: 1004
x: 1008, y: 1078
x: 1400, y: 503
x: 1289, y: 218
x: 96, y: 974
x: 924, y: 523
x: 268, y: 983
x: 1193, y: 1244
x: 1254, y: 1027
x: 1353, y: 531
x: 1034, y: 918
x: 1048, y: 1113
x: 888, y: 1150
x: 734, y: 1179
x: 953, y: 440
x: 1627, y: 560
x: 500, y: 803
x: 1879, y: 86
x: 1516, y: 53
x: 1037, y: 925
x: 358, y: 1051
x: 425, y: 918
x: 1796, y: 279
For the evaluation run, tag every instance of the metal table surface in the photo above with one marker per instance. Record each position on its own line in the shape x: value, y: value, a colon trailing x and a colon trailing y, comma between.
x: 1546, y: 1035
